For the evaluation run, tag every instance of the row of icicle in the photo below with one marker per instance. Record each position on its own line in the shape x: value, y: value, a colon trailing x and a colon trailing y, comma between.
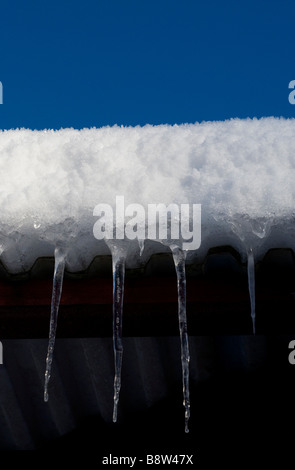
x: 118, y: 267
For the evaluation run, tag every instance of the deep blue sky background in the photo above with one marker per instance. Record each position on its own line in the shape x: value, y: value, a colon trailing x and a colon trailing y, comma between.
x: 71, y: 63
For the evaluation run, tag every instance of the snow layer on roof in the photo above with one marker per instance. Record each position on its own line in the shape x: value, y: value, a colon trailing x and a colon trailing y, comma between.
x: 51, y: 180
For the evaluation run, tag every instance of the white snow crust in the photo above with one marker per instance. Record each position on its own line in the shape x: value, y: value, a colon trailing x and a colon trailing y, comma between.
x: 241, y: 171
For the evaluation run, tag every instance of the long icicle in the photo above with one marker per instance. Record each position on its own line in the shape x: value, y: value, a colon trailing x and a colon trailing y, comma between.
x: 118, y: 262
x: 251, y: 285
x: 179, y: 262
x: 59, y: 267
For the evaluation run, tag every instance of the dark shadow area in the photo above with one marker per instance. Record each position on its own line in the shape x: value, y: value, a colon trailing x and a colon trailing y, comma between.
x: 236, y: 418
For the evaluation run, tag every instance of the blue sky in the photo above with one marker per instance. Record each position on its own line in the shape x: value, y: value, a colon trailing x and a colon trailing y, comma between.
x: 78, y: 64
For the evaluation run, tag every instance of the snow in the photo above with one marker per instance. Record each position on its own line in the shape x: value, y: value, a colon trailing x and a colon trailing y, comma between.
x: 241, y: 171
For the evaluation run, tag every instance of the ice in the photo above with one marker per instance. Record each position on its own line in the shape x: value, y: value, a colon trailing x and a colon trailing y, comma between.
x: 252, y: 233
x: 59, y: 267
x: 179, y: 262
x: 251, y: 284
x: 241, y: 172
x: 118, y: 266
x: 141, y: 246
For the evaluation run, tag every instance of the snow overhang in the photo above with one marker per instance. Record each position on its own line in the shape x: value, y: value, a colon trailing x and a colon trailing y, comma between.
x: 83, y: 195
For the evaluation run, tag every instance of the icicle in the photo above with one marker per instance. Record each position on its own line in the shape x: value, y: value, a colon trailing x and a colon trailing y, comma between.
x: 141, y: 246
x: 251, y: 285
x: 59, y: 267
x: 251, y: 233
x: 118, y: 261
x: 179, y: 262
